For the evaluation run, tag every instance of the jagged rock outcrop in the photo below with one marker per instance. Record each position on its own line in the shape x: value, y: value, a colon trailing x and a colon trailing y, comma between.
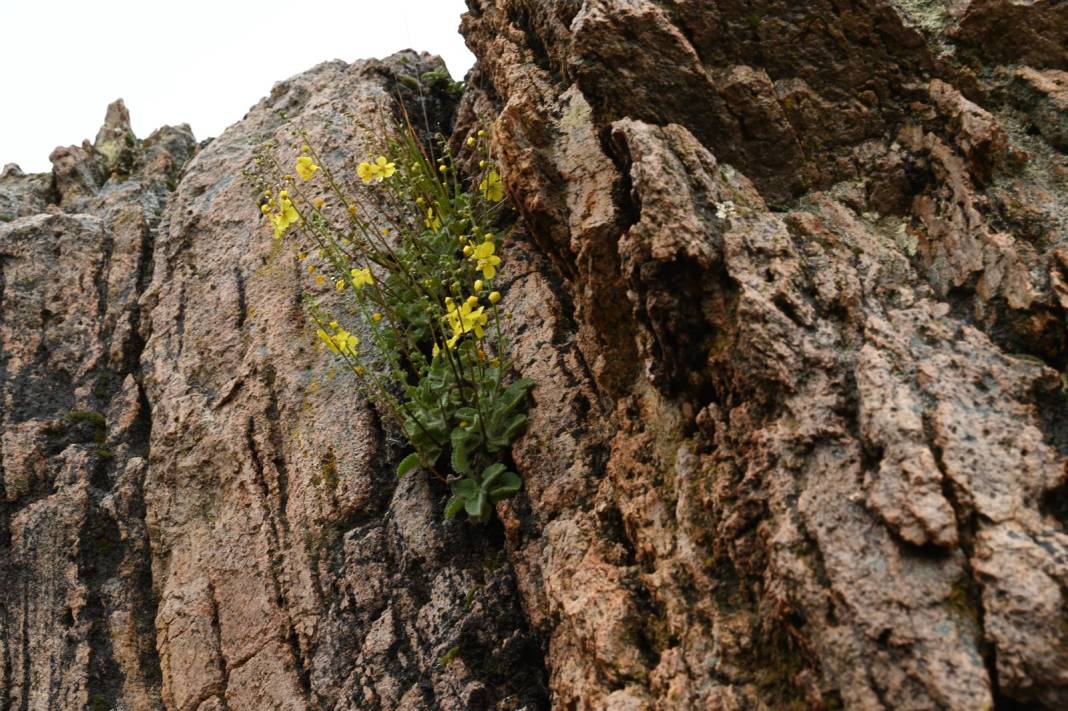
x: 792, y: 281
x: 800, y: 428
x: 291, y: 569
x: 196, y: 514
x: 77, y: 610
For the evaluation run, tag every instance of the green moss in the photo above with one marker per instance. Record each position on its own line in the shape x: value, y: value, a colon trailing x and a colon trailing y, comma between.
x: 103, y: 386
x: 450, y: 655
x: 94, y: 418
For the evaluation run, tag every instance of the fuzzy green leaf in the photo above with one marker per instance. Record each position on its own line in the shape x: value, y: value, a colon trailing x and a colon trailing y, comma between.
x: 506, y: 486
x: 490, y: 474
x: 453, y: 506
x: 477, y: 507
x: 408, y: 464
x: 462, y: 440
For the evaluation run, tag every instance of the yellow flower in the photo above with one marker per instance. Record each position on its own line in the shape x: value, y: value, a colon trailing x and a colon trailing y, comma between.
x: 325, y: 338
x: 384, y: 168
x: 319, y: 202
x: 306, y: 167
x: 346, y: 342
x: 378, y: 171
x: 361, y: 277
x: 341, y: 342
x: 366, y: 172
x: 376, y: 317
x: 340, y: 285
x: 465, y: 319
x: 286, y: 216
x: 470, y: 141
x: 491, y: 187
x: 320, y: 279
x: 305, y: 148
x: 486, y: 260
x: 431, y: 221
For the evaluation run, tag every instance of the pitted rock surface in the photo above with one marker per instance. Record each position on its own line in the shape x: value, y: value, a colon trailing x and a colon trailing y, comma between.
x: 792, y: 279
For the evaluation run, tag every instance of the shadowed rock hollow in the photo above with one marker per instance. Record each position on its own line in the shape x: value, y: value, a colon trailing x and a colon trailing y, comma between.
x: 792, y: 281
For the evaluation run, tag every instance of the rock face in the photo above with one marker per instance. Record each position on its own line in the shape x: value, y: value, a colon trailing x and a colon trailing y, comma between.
x: 800, y: 434
x: 291, y: 570
x: 792, y: 280
x: 76, y: 604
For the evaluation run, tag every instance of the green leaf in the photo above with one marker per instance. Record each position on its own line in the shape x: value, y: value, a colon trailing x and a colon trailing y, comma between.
x: 515, y: 426
x: 490, y: 474
x: 506, y: 486
x: 466, y: 413
x: 453, y: 506
x: 408, y: 464
x: 466, y: 488
x: 461, y: 443
x: 477, y: 507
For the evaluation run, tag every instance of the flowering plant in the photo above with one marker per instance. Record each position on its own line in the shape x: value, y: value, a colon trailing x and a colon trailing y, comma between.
x: 417, y: 255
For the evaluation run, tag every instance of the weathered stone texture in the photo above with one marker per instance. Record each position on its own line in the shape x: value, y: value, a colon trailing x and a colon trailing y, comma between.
x: 792, y: 281
x: 801, y: 411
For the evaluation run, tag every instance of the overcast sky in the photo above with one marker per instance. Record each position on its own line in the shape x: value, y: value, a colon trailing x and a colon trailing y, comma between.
x: 201, y: 62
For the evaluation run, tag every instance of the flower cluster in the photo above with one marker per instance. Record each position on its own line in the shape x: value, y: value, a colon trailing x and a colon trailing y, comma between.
x: 338, y: 340
x: 280, y: 212
x: 381, y: 169
x: 415, y: 255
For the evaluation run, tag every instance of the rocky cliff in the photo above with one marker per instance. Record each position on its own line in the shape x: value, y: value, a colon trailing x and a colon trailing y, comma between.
x: 791, y: 278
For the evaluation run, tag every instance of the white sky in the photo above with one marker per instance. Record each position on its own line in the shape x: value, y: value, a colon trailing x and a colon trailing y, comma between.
x: 201, y: 62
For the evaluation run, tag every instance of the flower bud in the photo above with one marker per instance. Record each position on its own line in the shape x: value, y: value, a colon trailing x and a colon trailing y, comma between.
x: 494, y: 297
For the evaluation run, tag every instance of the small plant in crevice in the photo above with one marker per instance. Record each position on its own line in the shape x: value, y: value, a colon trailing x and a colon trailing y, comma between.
x: 415, y: 256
